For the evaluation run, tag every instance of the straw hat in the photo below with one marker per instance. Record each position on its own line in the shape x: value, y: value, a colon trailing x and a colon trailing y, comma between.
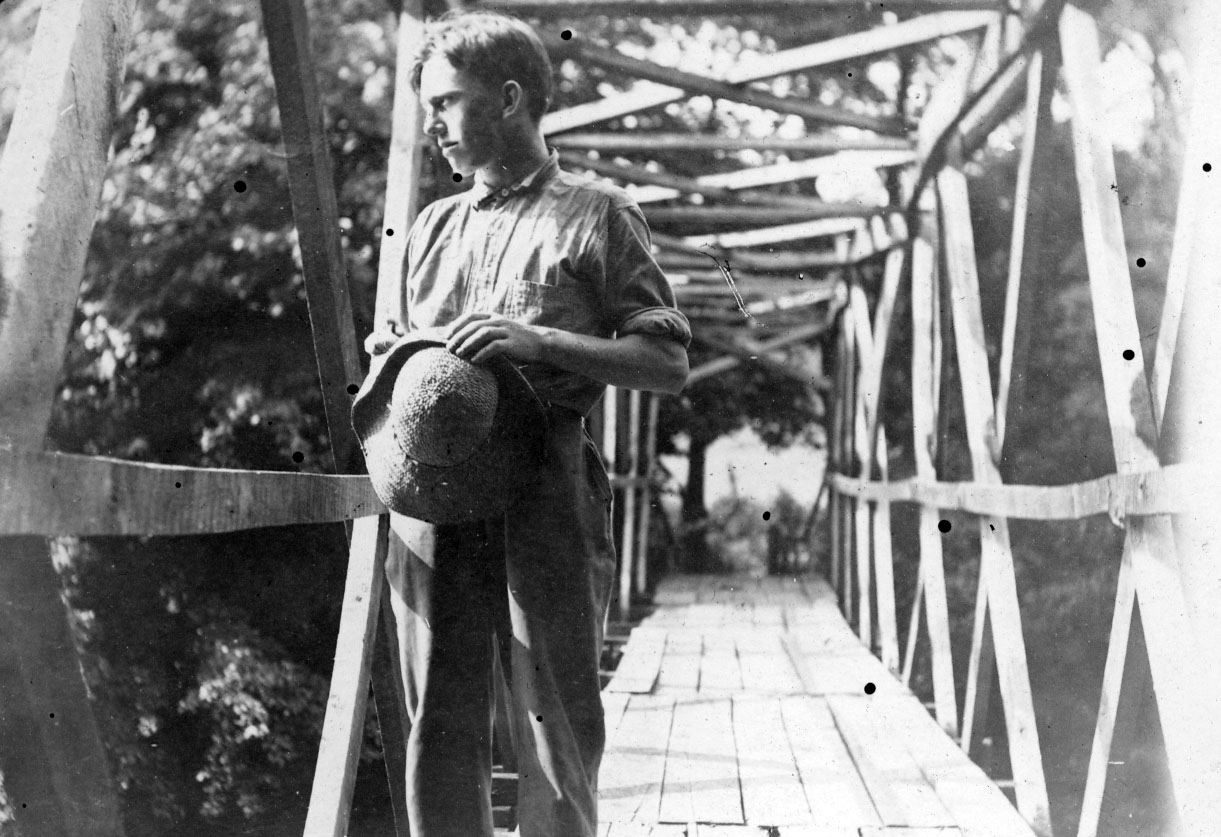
x: 445, y: 440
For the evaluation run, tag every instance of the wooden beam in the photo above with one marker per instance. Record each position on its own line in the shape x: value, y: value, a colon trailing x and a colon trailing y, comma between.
x: 627, y: 548
x: 749, y: 355
x: 849, y: 47
x: 52, y: 168
x: 547, y: 8
x: 696, y: 85
x: 1171, y: 489
x: 676, y: 185
x: 312, y: 189
x: 778, y: 234
x: 65, y: 494
x: 344, y: 727
x: 639, y: 142
x: 670, y: 216
x: 403, y: 167
x: 52, y: 758
x: 646, y: 509
x: 997, y: 581
x: 727, y: 183
x: 797, y: 335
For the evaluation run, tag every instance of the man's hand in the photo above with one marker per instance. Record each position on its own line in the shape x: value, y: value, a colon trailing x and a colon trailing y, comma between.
x: 481, y: 337
x: 380, y: 341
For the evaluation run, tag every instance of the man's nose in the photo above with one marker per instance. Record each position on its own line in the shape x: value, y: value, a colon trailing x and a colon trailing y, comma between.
x: 433, y: 124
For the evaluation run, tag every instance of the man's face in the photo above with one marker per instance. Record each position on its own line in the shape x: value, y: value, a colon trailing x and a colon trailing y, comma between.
x: 462, y: 114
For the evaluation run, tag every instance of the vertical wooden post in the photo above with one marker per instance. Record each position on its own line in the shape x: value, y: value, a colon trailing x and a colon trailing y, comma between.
x: 647, y: 495
x: 51, y: 754
x: 627, y: 549
x: 998, y: 585
x: 925, y: 353
x: 403, y: 167
x: 315, y: 210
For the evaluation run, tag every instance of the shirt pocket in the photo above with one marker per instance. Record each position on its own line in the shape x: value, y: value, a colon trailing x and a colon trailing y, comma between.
x: 543, y: 304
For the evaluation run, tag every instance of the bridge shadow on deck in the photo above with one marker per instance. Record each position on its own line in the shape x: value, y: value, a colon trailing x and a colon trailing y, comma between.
x: 748, y: 707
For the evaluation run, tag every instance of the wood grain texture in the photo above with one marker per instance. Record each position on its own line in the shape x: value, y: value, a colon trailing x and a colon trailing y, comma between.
x: 343, y: 728
x: 66, y: 494
x: 53, y: 164
x: 316, y: 212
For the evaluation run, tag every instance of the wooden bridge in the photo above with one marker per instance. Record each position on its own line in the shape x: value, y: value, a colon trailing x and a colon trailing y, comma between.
x: 739, y: 708
x: 746, y: 707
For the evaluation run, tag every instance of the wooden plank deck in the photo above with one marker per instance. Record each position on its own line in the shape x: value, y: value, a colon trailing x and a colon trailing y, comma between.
x: 740, y: 710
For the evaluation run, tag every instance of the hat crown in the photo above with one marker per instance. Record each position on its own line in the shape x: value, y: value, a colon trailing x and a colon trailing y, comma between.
x: 442, y: 407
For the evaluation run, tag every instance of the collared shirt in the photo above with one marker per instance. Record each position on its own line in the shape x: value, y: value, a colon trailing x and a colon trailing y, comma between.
x: 553, y: 250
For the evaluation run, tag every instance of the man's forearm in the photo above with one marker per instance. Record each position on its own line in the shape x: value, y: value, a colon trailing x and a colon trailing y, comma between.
x: 634, y: 361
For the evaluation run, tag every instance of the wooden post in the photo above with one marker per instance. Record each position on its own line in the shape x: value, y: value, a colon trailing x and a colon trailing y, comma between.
x: 312, y: 189
x: 403, y: 168
x: 925, y: 354
x: 646, y: 509
x: 998, y: 586
x: 627, y: 547
x: 54, y: 764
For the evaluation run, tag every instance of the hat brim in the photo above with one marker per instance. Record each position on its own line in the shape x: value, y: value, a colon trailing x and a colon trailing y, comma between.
x: 484, y: 485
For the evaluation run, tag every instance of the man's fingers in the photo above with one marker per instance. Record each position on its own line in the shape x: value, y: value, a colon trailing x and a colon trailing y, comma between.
x: 465, y: 321
x: 470, y: 342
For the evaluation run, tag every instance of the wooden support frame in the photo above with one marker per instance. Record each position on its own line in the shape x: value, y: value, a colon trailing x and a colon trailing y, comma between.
x: 315, y: 211
x: 625, y: 143
x: 859, y: 45
x: 997, y: 602
x: 715, y: 367
x: 54, y: 763
x: 631, y: 493
x: 695, y: 85
x: 1151, y: 568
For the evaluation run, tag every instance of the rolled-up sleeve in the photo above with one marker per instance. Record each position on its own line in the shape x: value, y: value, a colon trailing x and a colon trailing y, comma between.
x: 639, y: 298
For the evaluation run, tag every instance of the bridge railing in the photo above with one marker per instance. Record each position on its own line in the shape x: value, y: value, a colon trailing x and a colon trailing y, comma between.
x: 1163, y: 488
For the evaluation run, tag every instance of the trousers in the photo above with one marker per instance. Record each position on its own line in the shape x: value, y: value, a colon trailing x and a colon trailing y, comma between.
x: 531, y: 587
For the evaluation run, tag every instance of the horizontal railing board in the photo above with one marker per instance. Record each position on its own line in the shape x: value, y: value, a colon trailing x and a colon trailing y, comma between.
x: 1173, y: 489
x: 69, y: 494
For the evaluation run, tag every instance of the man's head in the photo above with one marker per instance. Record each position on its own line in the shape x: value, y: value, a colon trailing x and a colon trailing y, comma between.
x: 483, y: 80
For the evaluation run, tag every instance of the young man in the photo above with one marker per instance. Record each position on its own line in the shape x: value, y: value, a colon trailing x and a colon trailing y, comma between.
x: 554, y: 272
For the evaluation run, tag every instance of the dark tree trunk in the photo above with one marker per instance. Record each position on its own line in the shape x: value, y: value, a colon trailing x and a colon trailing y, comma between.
x: 695, y: 556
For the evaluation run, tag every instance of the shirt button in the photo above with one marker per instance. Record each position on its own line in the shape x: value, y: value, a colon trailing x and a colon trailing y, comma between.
x: 504, y: 193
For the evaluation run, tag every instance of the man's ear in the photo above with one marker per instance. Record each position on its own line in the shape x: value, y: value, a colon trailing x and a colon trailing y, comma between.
x: 512, y: 99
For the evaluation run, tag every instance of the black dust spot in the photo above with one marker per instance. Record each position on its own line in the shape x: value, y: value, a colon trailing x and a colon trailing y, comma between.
x: 1128, y: 354
x: 389, y: 231
x: 1208, y: 167
x: 538, y: 718
x: 298, y: 457
x: 52, y: 714
x: 239, y: 186
x: 457, y: 177
x: 177, y: 485
x: 1140, y: 262
x: 353, y: 389
x: 870, y: 688
x: 566, y: 34
x: 767, y: 515
x: 944, y: 526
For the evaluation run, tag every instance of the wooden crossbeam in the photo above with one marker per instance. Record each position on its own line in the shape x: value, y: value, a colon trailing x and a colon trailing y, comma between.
x: 715, y: 367
x: 695, y: 85
x: 751, y: 355
x: 65, y: 494
x: 546, y: 8
x: 858, y: 45
x: 639, y: 142
x: 1171, y: 489
x: 779, y: 233
x: 675, y: 185
x: 741, y: 216
x: 728, y: 183
x: 52, y: 758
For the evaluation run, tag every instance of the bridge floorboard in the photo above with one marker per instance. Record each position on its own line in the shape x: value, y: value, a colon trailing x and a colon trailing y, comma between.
x: 739, y: 710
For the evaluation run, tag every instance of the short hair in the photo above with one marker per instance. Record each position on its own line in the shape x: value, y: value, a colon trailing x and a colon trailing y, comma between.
x: 492, y: 48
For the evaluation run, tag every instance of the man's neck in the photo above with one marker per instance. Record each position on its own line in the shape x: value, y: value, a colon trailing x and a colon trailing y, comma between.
x: 518, y: 160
